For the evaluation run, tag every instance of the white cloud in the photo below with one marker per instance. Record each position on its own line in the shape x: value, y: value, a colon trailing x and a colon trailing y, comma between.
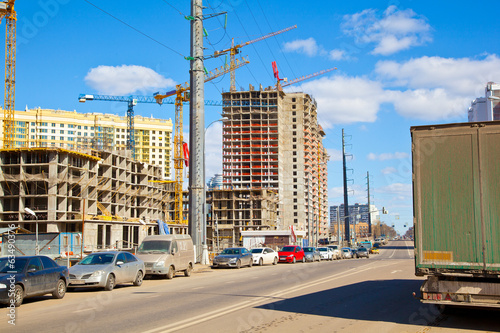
x: 436, y: 88
x: 395, y: 31
x: 397, y: 189
x: 337, y: 54
x: 306, y: 46
x: 387, y: 156
x: 388, y: 170
x: 335, y: 155
x: 126, y: 79
x: 345, y: 100
x: 213, y: 149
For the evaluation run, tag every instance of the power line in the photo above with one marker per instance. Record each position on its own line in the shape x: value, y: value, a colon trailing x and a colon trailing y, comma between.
x: 131, y: 27
x: 173, y: 7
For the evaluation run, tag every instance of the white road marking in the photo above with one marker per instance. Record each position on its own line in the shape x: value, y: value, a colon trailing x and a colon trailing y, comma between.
x: 253, y: 302
x: 229, y: 282
x: 408, y: 248
x: 83, y: 310
x: 393, y: 252
x: 398, y: 270
x: 153, y: 296
x: 197, y: 288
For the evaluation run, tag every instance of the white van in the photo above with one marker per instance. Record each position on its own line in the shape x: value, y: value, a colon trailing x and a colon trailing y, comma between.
x: 167, y: 254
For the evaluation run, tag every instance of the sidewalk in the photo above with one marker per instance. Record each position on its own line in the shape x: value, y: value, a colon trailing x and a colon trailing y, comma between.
x: 199, y: 268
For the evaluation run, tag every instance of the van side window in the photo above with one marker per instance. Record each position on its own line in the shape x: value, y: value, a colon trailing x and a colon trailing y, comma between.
x: 174, y: 246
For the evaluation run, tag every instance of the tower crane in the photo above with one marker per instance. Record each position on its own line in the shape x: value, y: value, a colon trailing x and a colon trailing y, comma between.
x: 181, y: 93
x: 132, y: 101
x: 7, y: 11
x: 235, y: 49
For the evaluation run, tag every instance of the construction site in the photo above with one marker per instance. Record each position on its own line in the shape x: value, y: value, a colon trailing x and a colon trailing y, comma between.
x: 105, y: 179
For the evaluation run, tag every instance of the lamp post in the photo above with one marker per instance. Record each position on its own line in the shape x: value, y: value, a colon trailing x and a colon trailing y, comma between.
x: 29, y: 211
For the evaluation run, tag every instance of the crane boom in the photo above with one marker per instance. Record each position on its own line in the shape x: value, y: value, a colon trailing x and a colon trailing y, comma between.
x: 234, y: 49
x: 132, y: 100
x: 307, y: 77
x: 7, y: 11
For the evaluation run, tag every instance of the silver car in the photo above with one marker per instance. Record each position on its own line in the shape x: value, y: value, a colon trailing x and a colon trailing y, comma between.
x: 106, y: 270
x: 233, y: 257
x: 311, y: 254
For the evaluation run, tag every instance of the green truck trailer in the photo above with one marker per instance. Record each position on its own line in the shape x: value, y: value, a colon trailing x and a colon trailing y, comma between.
x: 456, y: 204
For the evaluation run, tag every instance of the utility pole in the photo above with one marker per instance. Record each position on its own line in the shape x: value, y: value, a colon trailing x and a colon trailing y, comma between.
x: 369, y: 209
x: 309, y: 236
x: 197, y: 200
x: 346, y: 201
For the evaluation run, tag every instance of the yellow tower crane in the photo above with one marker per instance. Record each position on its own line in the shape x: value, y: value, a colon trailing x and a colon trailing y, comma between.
x: 182, y: 95
x: 235, y: 49
x: 7, y: 11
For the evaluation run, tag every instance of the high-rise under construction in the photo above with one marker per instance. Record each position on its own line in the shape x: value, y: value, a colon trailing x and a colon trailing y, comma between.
x: 272, y: 140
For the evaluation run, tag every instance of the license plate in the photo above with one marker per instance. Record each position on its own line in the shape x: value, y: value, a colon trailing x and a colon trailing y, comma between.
x: 77, y: 282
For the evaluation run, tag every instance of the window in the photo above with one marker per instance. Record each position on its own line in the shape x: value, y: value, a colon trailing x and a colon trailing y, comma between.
x: 294, y: 199
x: 294, y: 113
x: 294, y: 126
x: 294, y: 153
x: 61, y: 138
x: 121, y: 257
x: 32, y: 124
x: 32, y: 130
x: 294, y: 146
x: 294, y: 187
x: 61, y: 125
x: 61, y: 132
x: 295, y: 221
x: 295, y: 214
x: 294, y: 132
x: 52, y: 131
x: 294, y: 106
x: 295, y: 173
x: 295, y: 207
x: 86, y: 127
x: 35, y: 264
x: 294, y: 139
x: 294, y: 100
x: 71, y: 126
x: 294, y: 160
x: 294, y: 193
x: 53, y: 124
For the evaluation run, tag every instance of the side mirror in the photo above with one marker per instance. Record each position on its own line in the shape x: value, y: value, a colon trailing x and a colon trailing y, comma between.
x: 119, y: 262
x: 32, y: 270
x: 173, y: 251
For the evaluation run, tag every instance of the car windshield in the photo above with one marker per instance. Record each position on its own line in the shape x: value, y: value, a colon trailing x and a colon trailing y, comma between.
x: 287, y: 249
x: 362, y: 249
x: 323, y: 249
x: 257, y: 250
x: 309, y: 249
x: 231, y: 251
x: 98, y: 259
x: 345, y: 250
x: 154, y: 246
x: 15, y: 265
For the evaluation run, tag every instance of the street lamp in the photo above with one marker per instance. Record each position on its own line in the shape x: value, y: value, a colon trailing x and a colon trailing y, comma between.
x: 29, y: 211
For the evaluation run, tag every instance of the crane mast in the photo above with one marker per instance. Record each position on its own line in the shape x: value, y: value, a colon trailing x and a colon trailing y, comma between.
x: 7, y: 11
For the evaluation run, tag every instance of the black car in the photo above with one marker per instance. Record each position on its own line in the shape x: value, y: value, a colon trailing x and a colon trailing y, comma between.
x: 28, y: 276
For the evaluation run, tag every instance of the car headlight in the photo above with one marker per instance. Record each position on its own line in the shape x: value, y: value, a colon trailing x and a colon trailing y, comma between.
x: 159, y: 264
x: 3, y: 286
x: 308, y: 255
x: 97, y: 273
x: 290, y: 255
x: 233, y: 259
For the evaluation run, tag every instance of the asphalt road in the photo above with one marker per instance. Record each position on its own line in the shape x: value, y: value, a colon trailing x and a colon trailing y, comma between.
x: 356, y: 295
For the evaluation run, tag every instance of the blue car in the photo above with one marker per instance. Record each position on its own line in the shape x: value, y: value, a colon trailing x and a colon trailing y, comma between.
x: 27, y: 276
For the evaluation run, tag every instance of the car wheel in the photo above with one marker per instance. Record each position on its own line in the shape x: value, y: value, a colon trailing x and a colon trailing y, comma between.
x: 238, y: 264
x: 294, y: 260
x: 60, y: 289
x: 138, y: 279
x: 188, y: 270
x: 18, y: 295
x: 171, y: 273
x: 275, y: 262
x: 304, y: 259
x: 110, y: 283
x: 251, y: 263
x: 261, y: 262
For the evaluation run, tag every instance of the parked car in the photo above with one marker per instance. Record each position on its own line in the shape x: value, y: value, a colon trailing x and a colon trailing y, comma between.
x: 264, y: 255
x: 164, y: 255
x: 106, y: 270
x: 362, y: 252
x: 325, y: 253
x: 347, y: 253
x: 233, y: 257
x: 31, y: 276
x: 354, y: 250
x: 312, y: 254
x: 336, y: 251
x: 291, y: 253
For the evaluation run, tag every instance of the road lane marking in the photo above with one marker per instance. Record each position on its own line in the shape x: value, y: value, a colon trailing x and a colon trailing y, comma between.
x: 393, y: 252
x: 253, y: 302
x: 197, y: 288
x: 83, y: 310
x: 398, y: 270
x: 408, y: 248
x: 153, y: 296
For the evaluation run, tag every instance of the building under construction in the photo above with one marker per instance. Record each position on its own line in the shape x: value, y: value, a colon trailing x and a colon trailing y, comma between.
x: 114, y: 199
x: 272, y: 141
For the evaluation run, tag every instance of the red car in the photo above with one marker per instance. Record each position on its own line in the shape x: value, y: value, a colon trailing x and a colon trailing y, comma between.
x: 291, y: 253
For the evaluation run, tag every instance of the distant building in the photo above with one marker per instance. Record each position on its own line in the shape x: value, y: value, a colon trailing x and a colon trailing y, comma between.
x: 45, y: 128
x: 358, y: 215
x: 215, y: 183
x: 486, y: 108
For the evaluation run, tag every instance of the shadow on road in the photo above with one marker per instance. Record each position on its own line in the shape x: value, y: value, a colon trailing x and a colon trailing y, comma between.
x: 384, y: 301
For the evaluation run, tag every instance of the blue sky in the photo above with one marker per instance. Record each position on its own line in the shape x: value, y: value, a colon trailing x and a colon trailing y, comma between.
x: 400, y: 64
